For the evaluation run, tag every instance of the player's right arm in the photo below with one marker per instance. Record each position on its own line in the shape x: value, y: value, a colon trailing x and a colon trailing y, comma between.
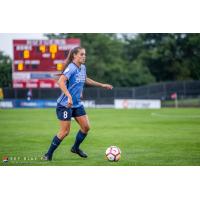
x: 62, y: 84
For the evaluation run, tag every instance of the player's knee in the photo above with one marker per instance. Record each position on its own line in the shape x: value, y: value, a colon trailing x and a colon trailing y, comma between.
x: 63, y: 134
x: 86, y: 128
x: 66, y: 133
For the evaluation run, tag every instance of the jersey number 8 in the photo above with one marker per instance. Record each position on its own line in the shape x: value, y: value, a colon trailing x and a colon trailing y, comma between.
x: 65, y: 114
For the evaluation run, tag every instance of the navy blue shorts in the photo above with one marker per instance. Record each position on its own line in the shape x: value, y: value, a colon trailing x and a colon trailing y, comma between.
x: 65, y: 114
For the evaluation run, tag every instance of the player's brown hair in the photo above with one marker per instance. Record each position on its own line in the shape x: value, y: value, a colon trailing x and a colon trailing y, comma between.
x: 69, y: 59
x: 70, y: 56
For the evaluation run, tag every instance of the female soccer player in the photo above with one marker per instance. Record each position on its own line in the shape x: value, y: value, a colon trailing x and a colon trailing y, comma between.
x: 69, y: 105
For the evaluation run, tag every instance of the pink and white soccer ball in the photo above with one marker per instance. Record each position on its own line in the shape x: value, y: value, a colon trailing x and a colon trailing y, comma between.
x: 113, y: 153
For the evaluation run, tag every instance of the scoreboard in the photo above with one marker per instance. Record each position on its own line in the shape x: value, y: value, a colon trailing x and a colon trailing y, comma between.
x: 37, y: 61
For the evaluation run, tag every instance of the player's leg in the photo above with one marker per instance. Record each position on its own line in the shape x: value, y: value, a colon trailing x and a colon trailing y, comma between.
x: 64, y: 129
x: 63, y: 132
x: 84, y: 123
x: 64, y: 116
x: 82, y: 133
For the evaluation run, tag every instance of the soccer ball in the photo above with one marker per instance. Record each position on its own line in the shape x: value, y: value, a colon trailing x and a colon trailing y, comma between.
x: 113, y: 153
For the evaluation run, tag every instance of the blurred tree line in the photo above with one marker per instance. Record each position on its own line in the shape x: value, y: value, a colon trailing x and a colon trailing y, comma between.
x: 5, y: 70
x: 138, y: 59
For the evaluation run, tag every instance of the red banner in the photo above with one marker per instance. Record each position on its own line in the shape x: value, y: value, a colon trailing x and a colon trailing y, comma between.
x: 174, y: 95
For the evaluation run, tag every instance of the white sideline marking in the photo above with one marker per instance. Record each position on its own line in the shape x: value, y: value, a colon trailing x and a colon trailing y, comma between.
x: 175, y: 116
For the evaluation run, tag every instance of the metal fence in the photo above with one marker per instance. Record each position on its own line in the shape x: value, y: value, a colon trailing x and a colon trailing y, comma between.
x: 163, y: 91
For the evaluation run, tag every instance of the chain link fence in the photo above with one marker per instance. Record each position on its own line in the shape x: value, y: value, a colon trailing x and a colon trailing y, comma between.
x: 185, y: 90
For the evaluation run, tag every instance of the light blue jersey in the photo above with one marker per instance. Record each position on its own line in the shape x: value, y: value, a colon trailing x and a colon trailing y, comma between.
x: 76, y: 77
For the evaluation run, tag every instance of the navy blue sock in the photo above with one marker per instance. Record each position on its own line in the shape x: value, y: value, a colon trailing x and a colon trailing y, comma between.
x: 79, y: 139
x: 54, y: 144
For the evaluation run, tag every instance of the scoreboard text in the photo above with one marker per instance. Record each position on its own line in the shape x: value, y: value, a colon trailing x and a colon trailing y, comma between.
x: 37, y: 61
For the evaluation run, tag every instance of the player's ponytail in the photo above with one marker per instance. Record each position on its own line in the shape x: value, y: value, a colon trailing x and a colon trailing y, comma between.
x: 69, y: 59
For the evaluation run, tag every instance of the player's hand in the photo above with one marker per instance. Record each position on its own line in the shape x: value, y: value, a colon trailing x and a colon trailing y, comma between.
x: 70, y: 102
x: 107, y: 86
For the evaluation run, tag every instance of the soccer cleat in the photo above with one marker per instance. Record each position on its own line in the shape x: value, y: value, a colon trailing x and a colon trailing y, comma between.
x: 79, y: 152
x: 47, y: 157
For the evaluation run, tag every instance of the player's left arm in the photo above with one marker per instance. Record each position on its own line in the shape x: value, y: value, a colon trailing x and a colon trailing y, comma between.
x: 91, y: 82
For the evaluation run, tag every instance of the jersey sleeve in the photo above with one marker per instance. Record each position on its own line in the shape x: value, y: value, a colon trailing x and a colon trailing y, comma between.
x: 69, y: 71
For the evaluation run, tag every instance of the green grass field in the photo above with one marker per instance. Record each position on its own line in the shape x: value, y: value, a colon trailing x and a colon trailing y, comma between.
x: 161, y: 137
